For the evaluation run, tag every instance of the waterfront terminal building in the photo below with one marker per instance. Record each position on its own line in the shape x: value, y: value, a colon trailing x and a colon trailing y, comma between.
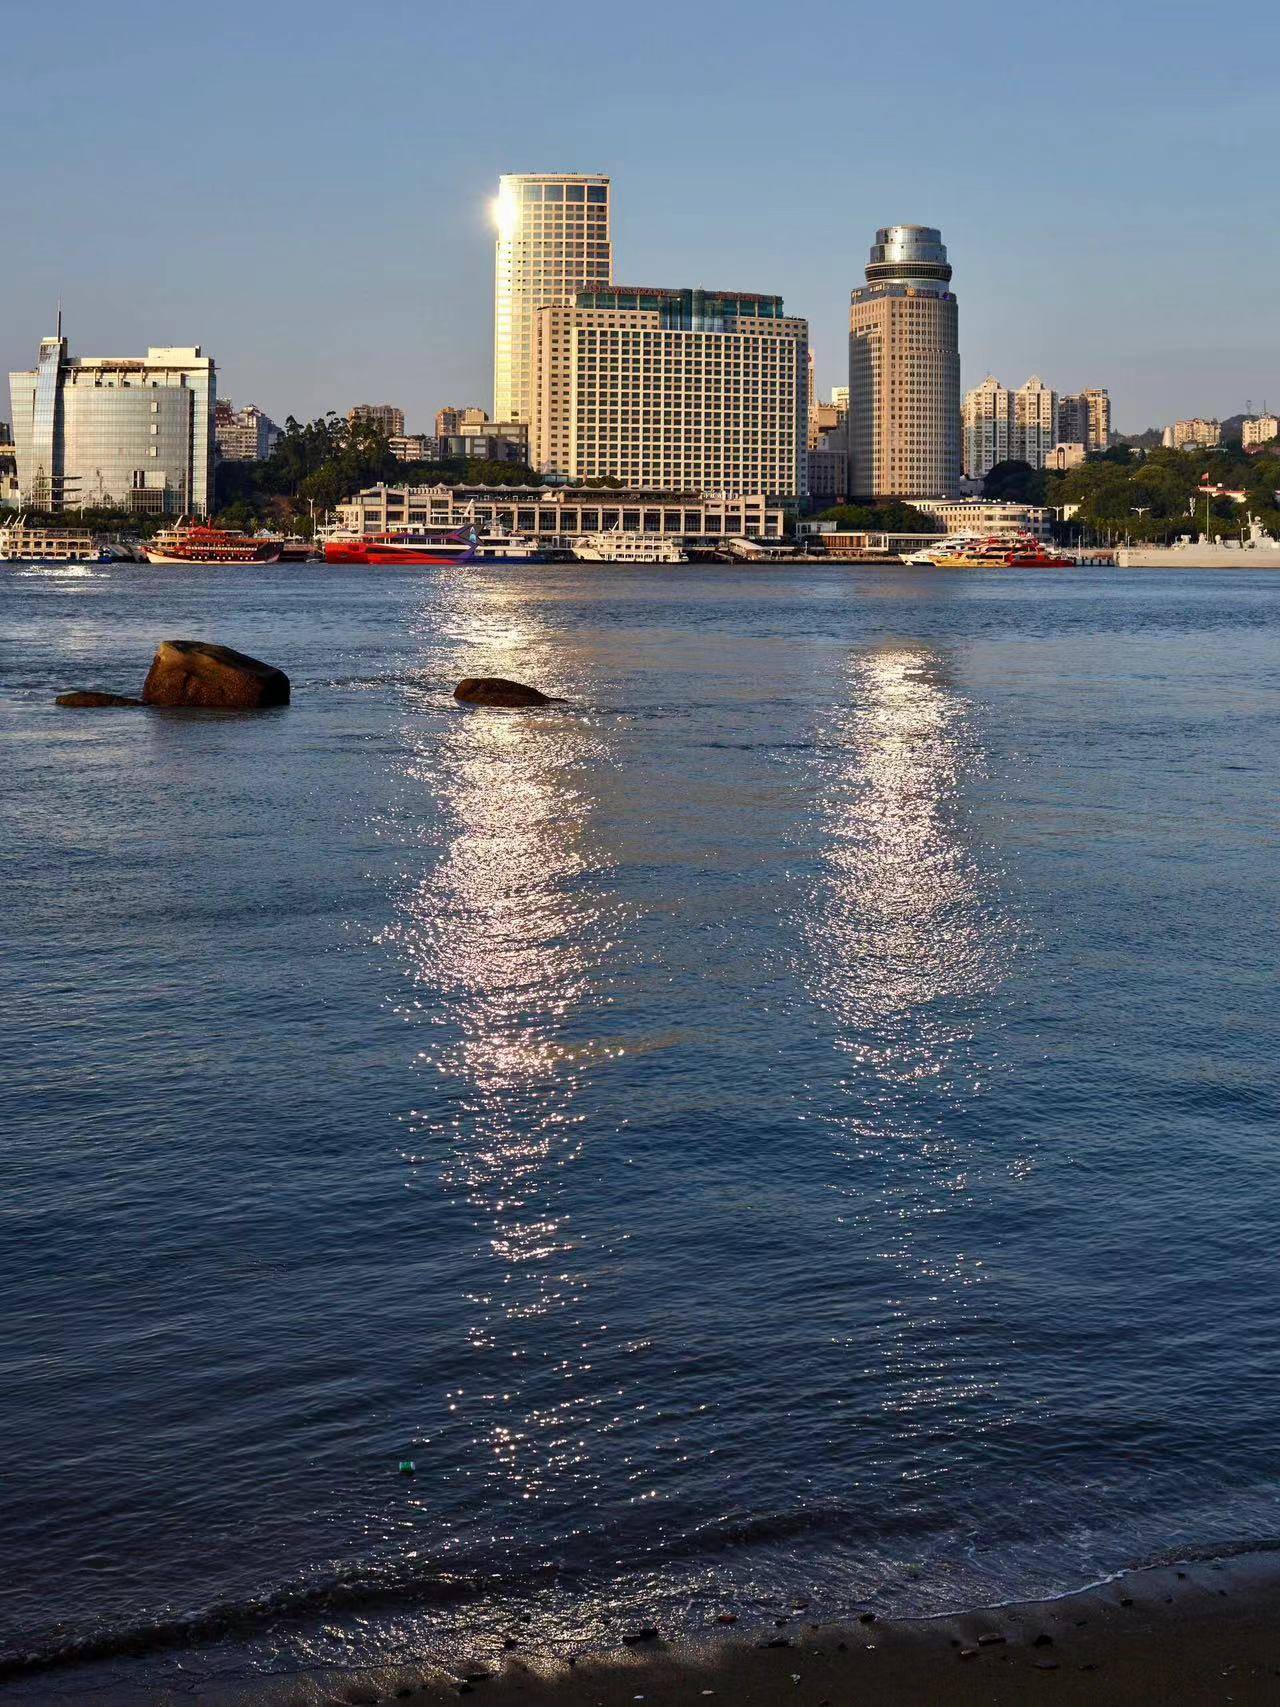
x: 557, y: 513
x: 116, y: 432
x: 904, y: 370
x: 672, y: 390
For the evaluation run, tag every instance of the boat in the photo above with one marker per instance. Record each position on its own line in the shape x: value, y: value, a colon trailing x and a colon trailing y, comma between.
x: 928, y: 555
x: 21, y: 542
x: 293, y: 548
x: 615, y: 546
x: 1257, y: 550
x: 387, y: 550
x: 1002, y: 551
x: 193, y: 543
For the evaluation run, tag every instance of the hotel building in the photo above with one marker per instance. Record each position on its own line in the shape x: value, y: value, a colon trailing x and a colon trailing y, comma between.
x: 553, y: 240
x: 904, y: 370
x: 123, y: 432
x: 673, y: 390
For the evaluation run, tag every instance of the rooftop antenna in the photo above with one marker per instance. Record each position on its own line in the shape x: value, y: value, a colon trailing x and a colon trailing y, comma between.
x: 59, y: 317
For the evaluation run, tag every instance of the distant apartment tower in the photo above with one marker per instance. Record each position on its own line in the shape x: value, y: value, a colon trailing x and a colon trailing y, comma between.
x: 452, y: 418
x: 384, y: 416
x: 904, y: 370
x: 1035, y: 422
x: 129, y: 432
x: 243, y: 435
x: 553, y: 240
x: 1259, y: 430
x: 1085, y: 418
x: 987, y: 418
x: 672, y: 390
x: 1194, y: 433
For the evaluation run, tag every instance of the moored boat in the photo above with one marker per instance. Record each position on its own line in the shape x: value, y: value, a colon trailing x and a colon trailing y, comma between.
x: 387, y: 550
x: 615, y: 546
x: 23, y: 542
x: 194, y: 543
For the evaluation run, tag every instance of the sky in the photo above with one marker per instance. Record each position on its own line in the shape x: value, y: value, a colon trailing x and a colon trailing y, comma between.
x: 304, y: 189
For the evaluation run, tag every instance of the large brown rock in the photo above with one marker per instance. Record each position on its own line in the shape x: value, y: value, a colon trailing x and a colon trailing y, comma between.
x: 84, y: 699
x: 496, y: 690
x: 194, y: 673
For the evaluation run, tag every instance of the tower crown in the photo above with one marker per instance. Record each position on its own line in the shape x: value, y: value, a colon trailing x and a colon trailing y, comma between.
x: 908, y: 254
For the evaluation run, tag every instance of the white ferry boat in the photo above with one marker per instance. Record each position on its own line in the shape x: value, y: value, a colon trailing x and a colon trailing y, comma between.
x: 618, y: 547
x: 928, y: 555
x: 20, y: 543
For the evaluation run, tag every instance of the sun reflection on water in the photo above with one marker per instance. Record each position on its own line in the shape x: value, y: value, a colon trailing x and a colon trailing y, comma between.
x: 506, y: 937
x: 909, y: 938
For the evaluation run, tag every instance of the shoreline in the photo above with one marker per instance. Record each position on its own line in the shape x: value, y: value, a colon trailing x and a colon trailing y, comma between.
x: 1186, y: 1633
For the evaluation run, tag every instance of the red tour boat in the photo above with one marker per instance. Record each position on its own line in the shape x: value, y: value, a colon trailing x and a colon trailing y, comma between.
x: 386, y: 549
x: 195, y: 544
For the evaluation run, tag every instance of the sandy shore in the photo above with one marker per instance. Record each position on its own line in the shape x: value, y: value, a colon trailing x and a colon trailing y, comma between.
x: 1172, y: 1636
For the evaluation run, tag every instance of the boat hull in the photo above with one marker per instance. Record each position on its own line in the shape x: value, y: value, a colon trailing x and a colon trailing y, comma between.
x: 197, y: 561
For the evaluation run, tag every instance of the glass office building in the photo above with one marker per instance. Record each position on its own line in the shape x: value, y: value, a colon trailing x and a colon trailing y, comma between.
x: 553, y: 240
x: 116, y: 432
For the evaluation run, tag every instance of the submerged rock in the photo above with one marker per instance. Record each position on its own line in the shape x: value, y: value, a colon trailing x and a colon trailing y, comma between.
x: 496, y: 690
x: 195, y: 673
x: 85, y: 699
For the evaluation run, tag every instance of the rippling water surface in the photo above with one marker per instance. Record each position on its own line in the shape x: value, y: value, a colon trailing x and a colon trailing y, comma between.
x: 802, y: 1118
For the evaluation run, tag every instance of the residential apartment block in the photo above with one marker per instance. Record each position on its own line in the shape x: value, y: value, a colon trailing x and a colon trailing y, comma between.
x: 133, y: 432
x: 243, y: 435
x: 673, y: 390
x: 1002, y: 425
x: 384, y: 416
x: 553, y: 240
x: 1085, y: 418
x: 1184, y: 435
x: 1259, y: 430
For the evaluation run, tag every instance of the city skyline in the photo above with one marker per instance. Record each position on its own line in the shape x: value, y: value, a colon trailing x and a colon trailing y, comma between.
x: 1093, y: 261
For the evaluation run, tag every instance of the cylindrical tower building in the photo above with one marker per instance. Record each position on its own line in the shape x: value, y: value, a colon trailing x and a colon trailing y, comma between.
x: 904, y: 370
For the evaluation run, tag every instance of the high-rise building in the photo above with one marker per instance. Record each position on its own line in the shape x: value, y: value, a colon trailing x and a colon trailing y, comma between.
x: 243, y: 435
x: 1259, y: 430
x: 1035, y: 422
x: 1085, y: 418
x: 451, y: 419
x: 675, y: 390
x: 987, y: 416
x: 553, y: 240
x: 1183, y: 435
x: 904, y: 370
x: 133, y: 432
x: 840, y: 397
x: 384, y: 416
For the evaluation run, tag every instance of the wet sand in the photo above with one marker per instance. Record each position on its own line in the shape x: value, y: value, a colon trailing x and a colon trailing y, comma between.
x: 1181, y: 1635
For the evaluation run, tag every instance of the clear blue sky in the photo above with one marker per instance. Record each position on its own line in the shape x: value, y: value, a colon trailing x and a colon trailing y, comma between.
x: 303, y: 188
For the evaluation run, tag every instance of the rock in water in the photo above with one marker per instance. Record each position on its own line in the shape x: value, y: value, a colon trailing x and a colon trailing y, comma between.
x: 192, y: 673
x: 83, y: 699
x: 496, y: 690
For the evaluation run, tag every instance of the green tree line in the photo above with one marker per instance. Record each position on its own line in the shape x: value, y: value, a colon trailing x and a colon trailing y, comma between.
x: 321, y: 462
x: 1154, y: 497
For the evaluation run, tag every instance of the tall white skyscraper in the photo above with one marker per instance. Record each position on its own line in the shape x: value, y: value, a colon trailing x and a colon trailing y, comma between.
x: 553, y: 240
x: 988, y: 425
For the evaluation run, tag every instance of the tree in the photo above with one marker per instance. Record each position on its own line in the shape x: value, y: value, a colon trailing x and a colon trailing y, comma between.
x: 1014, y: 482
x: 889, y: 515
